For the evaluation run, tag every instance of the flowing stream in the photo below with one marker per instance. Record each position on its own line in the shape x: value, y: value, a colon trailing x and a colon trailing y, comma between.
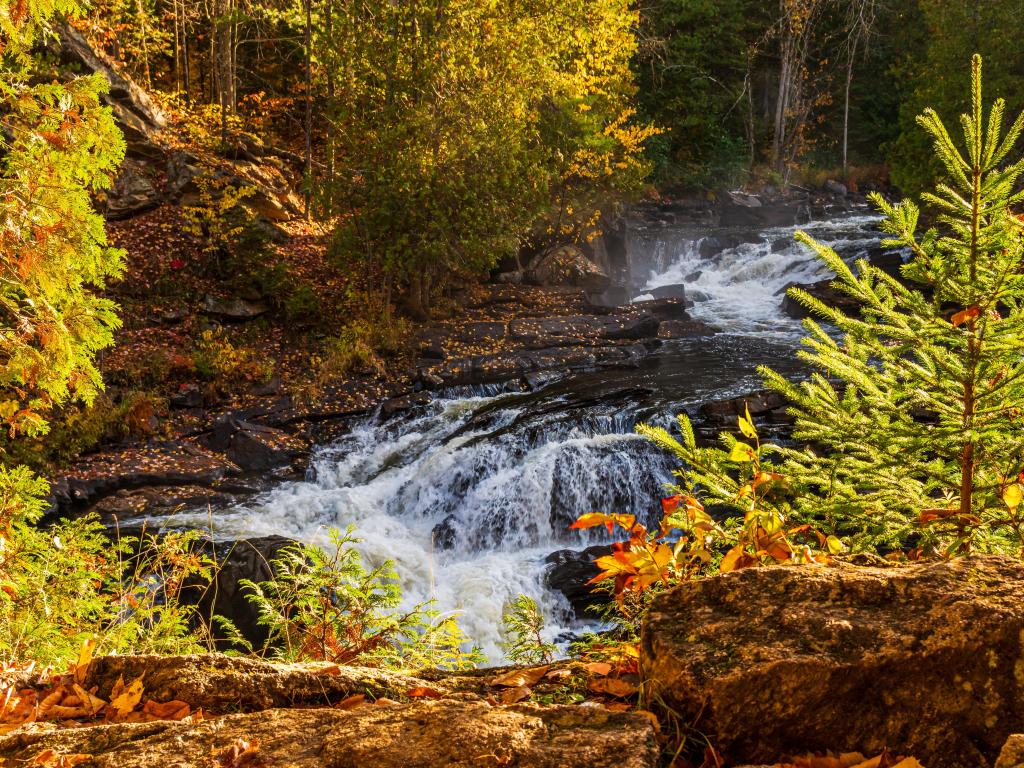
x: 469, y: 494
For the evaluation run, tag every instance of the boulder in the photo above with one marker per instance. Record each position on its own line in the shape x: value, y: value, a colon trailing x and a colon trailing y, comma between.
x: 132, y: 193
x: 233, y: 309
x: 427, y: 734
x: 137, y: 114
x: 237, y: 560
x: 567, y: 265
x: 922, y: 659
x: 836, y: 188
x: 253, y: 447
x: 674, y: 291
x: 742, y: 210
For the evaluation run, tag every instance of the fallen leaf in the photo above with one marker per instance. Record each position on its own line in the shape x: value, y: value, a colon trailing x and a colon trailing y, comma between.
x: 351, y: 702
x: 84, y: 660
x: 558, y: 674
x: 513, y: 695
x: 50, y: 758
x: 599, y: 668
x: 612, y: 686
x: 125, y: 703
x: 518, y: 677
x: 168, y: 710
x: 426, y: 693
x: 241, y: 754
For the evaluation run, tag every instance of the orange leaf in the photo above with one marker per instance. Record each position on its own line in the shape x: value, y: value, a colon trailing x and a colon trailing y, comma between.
x: 594, y: 519
x: 168, y: 710
x: 426, y: 693
x: 599, y: 668
x: 126, y: 702
x: 351, y: 702
x: 735, y: 559
x: 513, y: 695
x: 612, y: 686
x: 971, y: 313
x: 518, y: 677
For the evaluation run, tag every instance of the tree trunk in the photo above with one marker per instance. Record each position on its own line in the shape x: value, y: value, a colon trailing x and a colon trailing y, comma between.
x: 331, y: 116
x: 308, y: 161
x: 846, y: 113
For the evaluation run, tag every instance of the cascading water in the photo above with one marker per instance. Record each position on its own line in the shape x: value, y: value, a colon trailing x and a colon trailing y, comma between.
x: 469, y: 494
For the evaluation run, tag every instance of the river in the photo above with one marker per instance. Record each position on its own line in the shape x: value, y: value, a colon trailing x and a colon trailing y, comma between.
x: 503, y: 472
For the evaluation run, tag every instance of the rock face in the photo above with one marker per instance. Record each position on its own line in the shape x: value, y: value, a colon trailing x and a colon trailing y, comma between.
x: 567, y: 265
x: 742, y: 210
x: 286, y: 710
x: 924, y: 659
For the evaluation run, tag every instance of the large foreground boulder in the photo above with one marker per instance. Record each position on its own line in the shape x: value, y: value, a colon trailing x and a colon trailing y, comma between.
x: 431, y: 734
x: 288, y: 715
x: 926, y: 660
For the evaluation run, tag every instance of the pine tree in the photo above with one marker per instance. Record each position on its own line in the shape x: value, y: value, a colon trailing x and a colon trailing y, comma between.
x: 912, y: 416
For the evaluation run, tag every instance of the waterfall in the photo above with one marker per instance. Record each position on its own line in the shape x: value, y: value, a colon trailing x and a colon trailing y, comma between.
x: 469, y: 494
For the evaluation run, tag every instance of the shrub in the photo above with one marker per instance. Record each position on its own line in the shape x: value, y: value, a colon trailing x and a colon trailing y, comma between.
x: 327, y: 605
x: 363, y: 346
x: 523, y: 625
x: 217, y: 360
x: 62, y: 585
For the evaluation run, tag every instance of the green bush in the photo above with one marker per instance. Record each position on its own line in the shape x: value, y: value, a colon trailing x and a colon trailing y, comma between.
x: 65, y: 584
x: 326, y: 605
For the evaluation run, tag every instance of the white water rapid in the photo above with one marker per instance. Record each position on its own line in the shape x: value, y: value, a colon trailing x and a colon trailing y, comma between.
x: 469, y: 495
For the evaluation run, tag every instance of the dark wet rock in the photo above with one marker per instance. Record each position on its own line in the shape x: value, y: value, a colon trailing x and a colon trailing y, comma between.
x: 172, y: 463
x: 404, y: 403
x: 567, y: 265
x: 161, y: 500
x: 765, y: 406
x: 481, y: 369
x: 549, y: 332
x: 663, y: 309
x: 834, y: 187
x: 569, y: 572
x: 713, y: 245
x: 237, y: 560
x: 674, y: 291
x: 741, y: 210
x: 683, y: 329
x: 253, y: 447
x: 921, y: 659
x: 482, y: 332
x: 233, y: 309
x: 445, y: 535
